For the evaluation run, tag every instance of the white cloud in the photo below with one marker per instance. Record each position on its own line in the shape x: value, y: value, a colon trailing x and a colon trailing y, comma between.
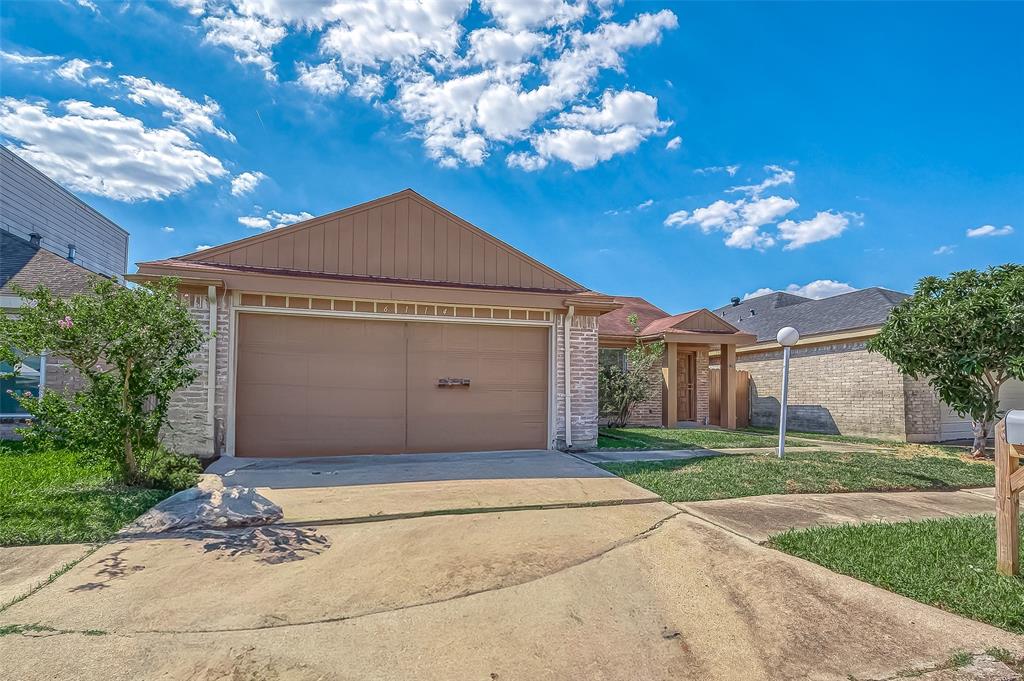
x: 644, y: 205
x: 89, y: 5
x: 98, y: 150
x: 274, y: 220
x: 186, y: 113
x: 525, y: 161
x: 817, y: 289
x: 76, y: 70
x: 496, y: 46
x: 990, y: 230
x: 27, y: 59
x: 528, y: 77
x: 203, y: 247
x: 674, y: 143
x: 167, y: 228
x: 730, y: 170
x: 740, y: 220
x: 521, y: 14
x: 944, y: 250
x: 243, y: 183
x: 824, y: 225
x: 251, y: 39
x: 323, y: 79
x: 778, y: 176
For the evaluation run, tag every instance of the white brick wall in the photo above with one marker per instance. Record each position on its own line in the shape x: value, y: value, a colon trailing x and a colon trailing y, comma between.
x: 583, y: 379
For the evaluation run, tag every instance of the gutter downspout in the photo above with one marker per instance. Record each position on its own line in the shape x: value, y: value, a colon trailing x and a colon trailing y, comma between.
x: 568, y: 380
x: 211, y: 369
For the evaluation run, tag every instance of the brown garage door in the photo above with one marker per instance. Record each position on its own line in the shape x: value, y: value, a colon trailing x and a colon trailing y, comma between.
x: 316, y: 386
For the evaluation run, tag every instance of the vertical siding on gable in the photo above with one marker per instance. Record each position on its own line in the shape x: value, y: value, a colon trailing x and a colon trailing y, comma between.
x: 401, y: 239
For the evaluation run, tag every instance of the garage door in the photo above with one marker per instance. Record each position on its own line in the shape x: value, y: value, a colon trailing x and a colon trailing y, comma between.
x: 318, y: 386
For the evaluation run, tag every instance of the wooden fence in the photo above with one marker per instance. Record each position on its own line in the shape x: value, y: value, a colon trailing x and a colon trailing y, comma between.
x: 742, y: 398
x: 1009, y: 482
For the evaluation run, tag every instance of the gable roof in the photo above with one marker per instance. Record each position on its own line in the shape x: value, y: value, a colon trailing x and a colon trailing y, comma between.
x: 655, y: 322
x: 765, y: 315
x: 402, y: 237
x: 29, y: 266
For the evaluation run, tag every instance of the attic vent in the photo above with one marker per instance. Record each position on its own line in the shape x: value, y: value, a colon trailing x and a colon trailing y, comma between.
x: 72, y: 251
x: 753, y: 312
x: 735, y: 301
x: 34, y: 238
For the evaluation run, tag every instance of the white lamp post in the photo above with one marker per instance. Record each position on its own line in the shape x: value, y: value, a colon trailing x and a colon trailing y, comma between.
x: 787, y: 338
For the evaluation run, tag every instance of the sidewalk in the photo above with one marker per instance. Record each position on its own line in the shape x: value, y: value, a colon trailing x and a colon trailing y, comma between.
x: 758, y: 518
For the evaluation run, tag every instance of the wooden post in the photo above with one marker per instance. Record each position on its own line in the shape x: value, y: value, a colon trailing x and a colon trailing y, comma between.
x: 672, y: 383
x: 1009, y: 481
x: 727, y: 395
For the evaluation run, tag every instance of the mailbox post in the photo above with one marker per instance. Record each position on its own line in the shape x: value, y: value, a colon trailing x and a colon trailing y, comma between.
x: 1009, y: 482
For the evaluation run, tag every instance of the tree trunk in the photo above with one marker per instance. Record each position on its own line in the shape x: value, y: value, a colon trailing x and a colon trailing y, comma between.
x: 980, y: 437
x: 131, y: 465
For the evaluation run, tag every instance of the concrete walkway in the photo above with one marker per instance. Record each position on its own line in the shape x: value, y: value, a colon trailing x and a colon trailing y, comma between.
x: 24, y: 568
x: 758, y: 518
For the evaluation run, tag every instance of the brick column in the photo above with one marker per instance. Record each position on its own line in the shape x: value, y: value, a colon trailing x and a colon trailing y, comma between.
x: 582, y: 380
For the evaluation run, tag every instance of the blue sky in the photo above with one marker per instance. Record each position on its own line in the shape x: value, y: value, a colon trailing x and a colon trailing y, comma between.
x: 856, y: 143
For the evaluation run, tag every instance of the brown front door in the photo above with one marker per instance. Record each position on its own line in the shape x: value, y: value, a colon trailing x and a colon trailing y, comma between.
x: 686, y: 375
x: 318, y: 386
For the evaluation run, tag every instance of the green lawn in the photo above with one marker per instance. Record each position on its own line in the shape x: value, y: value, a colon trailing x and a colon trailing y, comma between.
x: 725, y: 477
x: 947, y: 563
x: 56, y: 497
x: 856, y: 440
x: 681, y: 438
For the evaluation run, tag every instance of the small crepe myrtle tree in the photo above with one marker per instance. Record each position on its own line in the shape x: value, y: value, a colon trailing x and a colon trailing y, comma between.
x: 622, y: 388
x: 965, y: 334
x: 130, y: 346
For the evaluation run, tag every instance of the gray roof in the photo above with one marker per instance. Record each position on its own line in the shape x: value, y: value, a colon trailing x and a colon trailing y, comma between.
x: 29, y: 266
x: 765, y: 315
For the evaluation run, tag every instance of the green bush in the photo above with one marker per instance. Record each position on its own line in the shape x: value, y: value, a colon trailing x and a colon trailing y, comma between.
x: 166, y: 470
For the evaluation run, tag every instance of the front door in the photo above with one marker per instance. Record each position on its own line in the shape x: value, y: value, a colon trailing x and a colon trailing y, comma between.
x: 687, y: 372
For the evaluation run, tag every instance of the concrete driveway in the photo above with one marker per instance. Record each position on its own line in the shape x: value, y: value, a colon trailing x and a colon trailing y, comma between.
x: 383, y: 487
x: 616, y: 591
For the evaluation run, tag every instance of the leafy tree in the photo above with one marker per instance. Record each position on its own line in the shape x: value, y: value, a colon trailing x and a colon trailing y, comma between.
x: 965, y: 334
x: 131, y: 347
x: 620, y: 389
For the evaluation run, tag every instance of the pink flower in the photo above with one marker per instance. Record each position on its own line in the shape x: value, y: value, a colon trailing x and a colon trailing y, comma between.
x: 65, y: 323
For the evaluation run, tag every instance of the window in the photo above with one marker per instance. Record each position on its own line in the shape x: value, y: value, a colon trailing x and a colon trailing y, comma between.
x: 31, y: 375
x: 612, y: 357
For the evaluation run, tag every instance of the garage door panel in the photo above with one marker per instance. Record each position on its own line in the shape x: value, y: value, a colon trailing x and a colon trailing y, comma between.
x: 312, y: 386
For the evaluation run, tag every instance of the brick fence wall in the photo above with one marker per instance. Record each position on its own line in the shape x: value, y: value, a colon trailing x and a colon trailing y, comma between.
x: 923, y: 410
x: 838, y: 388
x: 649, y: 411
x: 582, y: 376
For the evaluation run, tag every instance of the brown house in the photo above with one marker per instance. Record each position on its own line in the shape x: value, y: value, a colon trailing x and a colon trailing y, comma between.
x: 684, y: 377
x: 391, y: 326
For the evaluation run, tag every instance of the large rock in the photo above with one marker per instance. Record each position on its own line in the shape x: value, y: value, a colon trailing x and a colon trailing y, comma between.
x: 208, y: 505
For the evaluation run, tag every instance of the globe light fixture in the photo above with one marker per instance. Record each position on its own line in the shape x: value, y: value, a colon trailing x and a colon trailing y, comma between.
x: 787, y: 338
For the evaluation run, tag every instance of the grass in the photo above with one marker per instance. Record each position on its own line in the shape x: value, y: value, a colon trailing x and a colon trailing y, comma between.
x: 858, y: 440
x: 726, y: 477
x: 57, y: 497
x: 680, y: 438
x: 948, y: 563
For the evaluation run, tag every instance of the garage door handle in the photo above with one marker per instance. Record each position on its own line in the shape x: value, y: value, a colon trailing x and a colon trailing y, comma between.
x: 452, y: 382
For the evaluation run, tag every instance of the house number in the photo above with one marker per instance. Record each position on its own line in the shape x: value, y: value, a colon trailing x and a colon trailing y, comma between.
x: 452, y: 382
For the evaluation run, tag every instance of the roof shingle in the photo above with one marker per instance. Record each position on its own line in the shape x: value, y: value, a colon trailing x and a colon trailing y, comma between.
x: 28, y: 267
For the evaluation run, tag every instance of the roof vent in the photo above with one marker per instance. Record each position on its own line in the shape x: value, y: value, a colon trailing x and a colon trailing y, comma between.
x: 34, y: 238
x: 753, y: 312
x: 72, y: 251
x: 735, y: 301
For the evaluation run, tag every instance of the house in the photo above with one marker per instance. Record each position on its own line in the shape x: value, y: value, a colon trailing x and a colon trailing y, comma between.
x: 391, y: 326
x: 683, y: 383
x: 47, y: 237
x: 835, y: 384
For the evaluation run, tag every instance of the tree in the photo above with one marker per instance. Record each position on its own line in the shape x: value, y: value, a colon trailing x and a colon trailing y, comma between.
x: 132, y: 348
x: 621, y: 388
x: 965, y: 334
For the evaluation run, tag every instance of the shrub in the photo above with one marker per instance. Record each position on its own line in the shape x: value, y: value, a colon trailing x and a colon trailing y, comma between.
x: 167, y: 470
x: 131, y: 346
x: 619, y: 389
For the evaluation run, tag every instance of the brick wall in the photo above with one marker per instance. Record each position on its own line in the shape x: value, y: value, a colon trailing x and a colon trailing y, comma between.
x: 187, y: 430
x: 923, y: 410
x: 583, y: 379
x: 703, y: 389
x: 838, y: 388
x: 649, y: 411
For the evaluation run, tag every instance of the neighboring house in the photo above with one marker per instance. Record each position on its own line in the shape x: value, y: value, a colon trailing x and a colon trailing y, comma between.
x: 835, y: 384
x: 47, y: 237
x: 391, y: 326
x: 682, y: 384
